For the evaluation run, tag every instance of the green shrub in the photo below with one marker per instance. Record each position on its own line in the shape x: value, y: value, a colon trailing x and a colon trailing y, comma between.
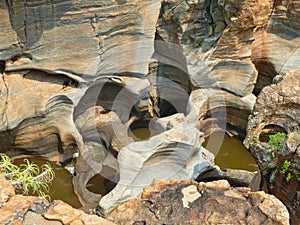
x: 276, y: 140
x: 27, y: 178
x: 288, y: 171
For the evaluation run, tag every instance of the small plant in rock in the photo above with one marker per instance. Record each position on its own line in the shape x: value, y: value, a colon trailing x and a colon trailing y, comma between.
x: 289, y: 171
x: 199, y: 43
x: 27, y: 178
x: 276, y: 140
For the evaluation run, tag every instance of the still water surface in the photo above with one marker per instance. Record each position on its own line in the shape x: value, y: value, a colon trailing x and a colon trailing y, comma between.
x: 61, y: 187
x: 230, y: 153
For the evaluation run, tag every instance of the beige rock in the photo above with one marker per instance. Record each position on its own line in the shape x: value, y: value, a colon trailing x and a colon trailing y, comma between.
x: 7, y: 191
x: 16, y: 206
x: 68, y: 215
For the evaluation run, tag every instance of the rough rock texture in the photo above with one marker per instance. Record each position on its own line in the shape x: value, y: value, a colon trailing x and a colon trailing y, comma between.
x: 187, y: 202
x: 66, y: 67
x: 29, y: 210
x: 277, y: 110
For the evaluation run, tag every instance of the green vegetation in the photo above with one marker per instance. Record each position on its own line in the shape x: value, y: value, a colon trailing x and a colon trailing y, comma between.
x: 276, y: 140
x: 289, y: 171
x: 198, y: 43
x: 27, y: 178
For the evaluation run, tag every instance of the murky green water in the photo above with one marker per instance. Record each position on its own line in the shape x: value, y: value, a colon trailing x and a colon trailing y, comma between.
x: 61, y: 187
x: 142, y: 133
x: 230, y: 152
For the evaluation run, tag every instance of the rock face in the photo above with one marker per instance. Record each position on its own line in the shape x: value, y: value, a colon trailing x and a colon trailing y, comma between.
x: 187, y: 202
x: 277, y: 110
x: 275, y: 48
x: 174, y: 44
x: 28, y: 210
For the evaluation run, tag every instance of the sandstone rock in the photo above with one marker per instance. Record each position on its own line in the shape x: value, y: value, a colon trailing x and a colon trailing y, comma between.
x: 53, y: 56
x: 68, y: 215
x: 7, y: 191
x: 16, y: 207
x: 282, y: 30
x: 174, y: 154
x: 236, y: 178
x: 28, y: 210
x: 277, y: 110
x: 219, y: 110
x: 166, y: 202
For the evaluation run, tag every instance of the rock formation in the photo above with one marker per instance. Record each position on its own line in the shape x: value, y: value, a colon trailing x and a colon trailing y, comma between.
x: 18, y: 209
x: 187, y: 202
x: 174, y: 154
x: 275, y: 48
x: 77, y: 75
x: 277, y: 110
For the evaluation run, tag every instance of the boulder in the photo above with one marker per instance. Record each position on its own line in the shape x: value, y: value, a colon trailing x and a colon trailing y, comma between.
x: 188, y: 202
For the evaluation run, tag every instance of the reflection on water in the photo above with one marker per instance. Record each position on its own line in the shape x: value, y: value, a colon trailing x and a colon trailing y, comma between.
x: 142, y: 133
x: 230, y: 153
x: 61, y: 187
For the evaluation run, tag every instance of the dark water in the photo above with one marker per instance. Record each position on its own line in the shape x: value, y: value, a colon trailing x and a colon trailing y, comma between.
x: 61, y: 186
x: 230, y: 152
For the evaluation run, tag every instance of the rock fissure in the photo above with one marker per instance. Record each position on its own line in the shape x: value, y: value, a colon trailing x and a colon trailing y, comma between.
x: 210, y: 52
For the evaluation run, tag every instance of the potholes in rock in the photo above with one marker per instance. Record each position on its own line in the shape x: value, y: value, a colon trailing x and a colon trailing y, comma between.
x: 101, y: 184
x: 142, y: 131
x: 268, y: 130
x: 232, y: 154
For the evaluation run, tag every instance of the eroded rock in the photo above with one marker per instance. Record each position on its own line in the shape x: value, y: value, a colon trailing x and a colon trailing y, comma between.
x: 52, y: 54
x: 174, y: 154
x: 28, y: 210
x: 282, y: 30
x: 277, y: 110
x: 188, y: 202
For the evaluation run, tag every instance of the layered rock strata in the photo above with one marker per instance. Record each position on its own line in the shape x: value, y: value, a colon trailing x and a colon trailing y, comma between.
x: 76, y: 74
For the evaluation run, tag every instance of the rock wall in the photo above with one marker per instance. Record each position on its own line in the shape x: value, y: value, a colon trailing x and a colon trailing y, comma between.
x: 117, y: 62
x: 278, y: 112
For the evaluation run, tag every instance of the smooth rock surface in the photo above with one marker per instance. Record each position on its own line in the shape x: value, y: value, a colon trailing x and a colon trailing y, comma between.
x: 152, y: 55
x: 276, y: 45
x: 174, y: 154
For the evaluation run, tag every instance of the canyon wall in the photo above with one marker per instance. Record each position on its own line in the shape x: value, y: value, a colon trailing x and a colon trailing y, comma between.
x: 77, y: 75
